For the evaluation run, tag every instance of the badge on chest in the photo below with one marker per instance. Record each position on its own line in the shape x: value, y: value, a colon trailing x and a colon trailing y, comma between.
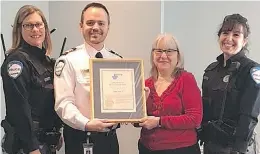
x: 85, y: 72
x: 83, y: 76
x: 226, y: 78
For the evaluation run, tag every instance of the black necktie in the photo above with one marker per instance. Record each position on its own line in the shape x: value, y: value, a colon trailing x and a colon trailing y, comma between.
x: 99, y: 55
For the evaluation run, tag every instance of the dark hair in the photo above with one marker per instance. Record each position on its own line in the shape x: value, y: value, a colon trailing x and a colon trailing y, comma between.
x: 96, y: 5
x: 232, y: 21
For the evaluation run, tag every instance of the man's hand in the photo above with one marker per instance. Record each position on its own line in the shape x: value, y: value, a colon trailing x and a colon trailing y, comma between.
x: 35, y: 152
x: 98, y: 125
x: 150, y: 122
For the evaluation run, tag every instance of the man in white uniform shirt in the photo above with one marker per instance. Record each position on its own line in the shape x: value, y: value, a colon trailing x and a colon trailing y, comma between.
x: 72, y: 86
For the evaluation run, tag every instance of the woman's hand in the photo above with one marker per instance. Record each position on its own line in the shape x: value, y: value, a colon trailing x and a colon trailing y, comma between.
x: 147, y: 92
x: 150, y: 122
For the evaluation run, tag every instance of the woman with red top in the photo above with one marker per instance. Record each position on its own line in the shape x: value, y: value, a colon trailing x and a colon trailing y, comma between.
x: 174, y: 103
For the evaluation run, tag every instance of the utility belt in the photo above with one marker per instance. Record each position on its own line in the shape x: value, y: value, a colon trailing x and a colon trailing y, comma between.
x: 220, y: 132
x: 11, y: 143
x: 51, y: 136
x: 111, y: 132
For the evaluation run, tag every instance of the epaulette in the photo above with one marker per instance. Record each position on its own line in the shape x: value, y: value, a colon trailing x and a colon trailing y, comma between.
x: 111, y: 51
x: 212, y: 66
x: 70, y: 50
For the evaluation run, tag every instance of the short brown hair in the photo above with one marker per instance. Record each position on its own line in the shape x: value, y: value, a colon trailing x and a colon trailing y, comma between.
x: 96, y: 5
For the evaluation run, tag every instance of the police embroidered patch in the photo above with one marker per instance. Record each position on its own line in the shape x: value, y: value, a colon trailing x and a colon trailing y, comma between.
x: 59, y: 67
x: 255, y: 73
x: 14, y: 69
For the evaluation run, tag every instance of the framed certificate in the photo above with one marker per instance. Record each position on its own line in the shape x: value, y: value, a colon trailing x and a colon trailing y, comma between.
x: 117, y: 90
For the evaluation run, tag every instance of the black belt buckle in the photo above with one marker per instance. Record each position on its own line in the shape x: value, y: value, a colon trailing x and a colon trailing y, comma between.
x: 111, y: 132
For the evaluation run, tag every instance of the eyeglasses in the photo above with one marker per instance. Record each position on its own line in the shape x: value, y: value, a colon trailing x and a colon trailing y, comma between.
x: 168, y: 52
x: 31, y: 26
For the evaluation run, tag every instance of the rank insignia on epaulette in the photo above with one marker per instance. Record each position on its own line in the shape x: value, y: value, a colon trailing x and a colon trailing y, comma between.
x: 68, y: 51
x: 111, y: 51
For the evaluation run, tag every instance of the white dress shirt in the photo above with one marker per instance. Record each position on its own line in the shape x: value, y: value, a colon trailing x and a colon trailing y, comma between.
x: 72, y: 85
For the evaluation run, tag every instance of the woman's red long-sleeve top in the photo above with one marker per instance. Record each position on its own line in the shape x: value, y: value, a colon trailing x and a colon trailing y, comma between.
x: 180, y: 110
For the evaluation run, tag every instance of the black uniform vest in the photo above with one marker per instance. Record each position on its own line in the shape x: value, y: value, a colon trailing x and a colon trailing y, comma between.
x: 41, y: 92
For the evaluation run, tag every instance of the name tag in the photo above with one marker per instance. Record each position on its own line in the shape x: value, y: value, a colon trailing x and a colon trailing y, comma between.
x: 88, y: 148
x: 84, y: 77
x: 85, y: 72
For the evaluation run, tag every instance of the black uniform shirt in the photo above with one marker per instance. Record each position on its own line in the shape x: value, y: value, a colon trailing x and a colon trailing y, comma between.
x: 242, y: 102
x: 27, y: 76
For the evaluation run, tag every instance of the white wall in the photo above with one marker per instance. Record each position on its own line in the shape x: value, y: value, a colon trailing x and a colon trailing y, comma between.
x: 8, y: 12
x: 133, y: 27
x: 195, y: 24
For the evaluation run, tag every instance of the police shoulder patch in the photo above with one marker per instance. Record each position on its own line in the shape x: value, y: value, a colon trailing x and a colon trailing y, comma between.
x: 14, y: 68
x: 255, y: 74
x: 59, y: 67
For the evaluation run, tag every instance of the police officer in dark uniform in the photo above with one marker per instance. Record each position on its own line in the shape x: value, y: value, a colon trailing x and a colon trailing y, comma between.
x: 231, y: 88
x: 31, y: 125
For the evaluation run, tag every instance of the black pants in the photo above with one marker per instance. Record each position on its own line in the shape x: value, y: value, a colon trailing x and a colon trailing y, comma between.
x: 44, y: 150
x: 43, y: 147
x: 194, y: 149
x: 104, y: 143
x: 212, y: 148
